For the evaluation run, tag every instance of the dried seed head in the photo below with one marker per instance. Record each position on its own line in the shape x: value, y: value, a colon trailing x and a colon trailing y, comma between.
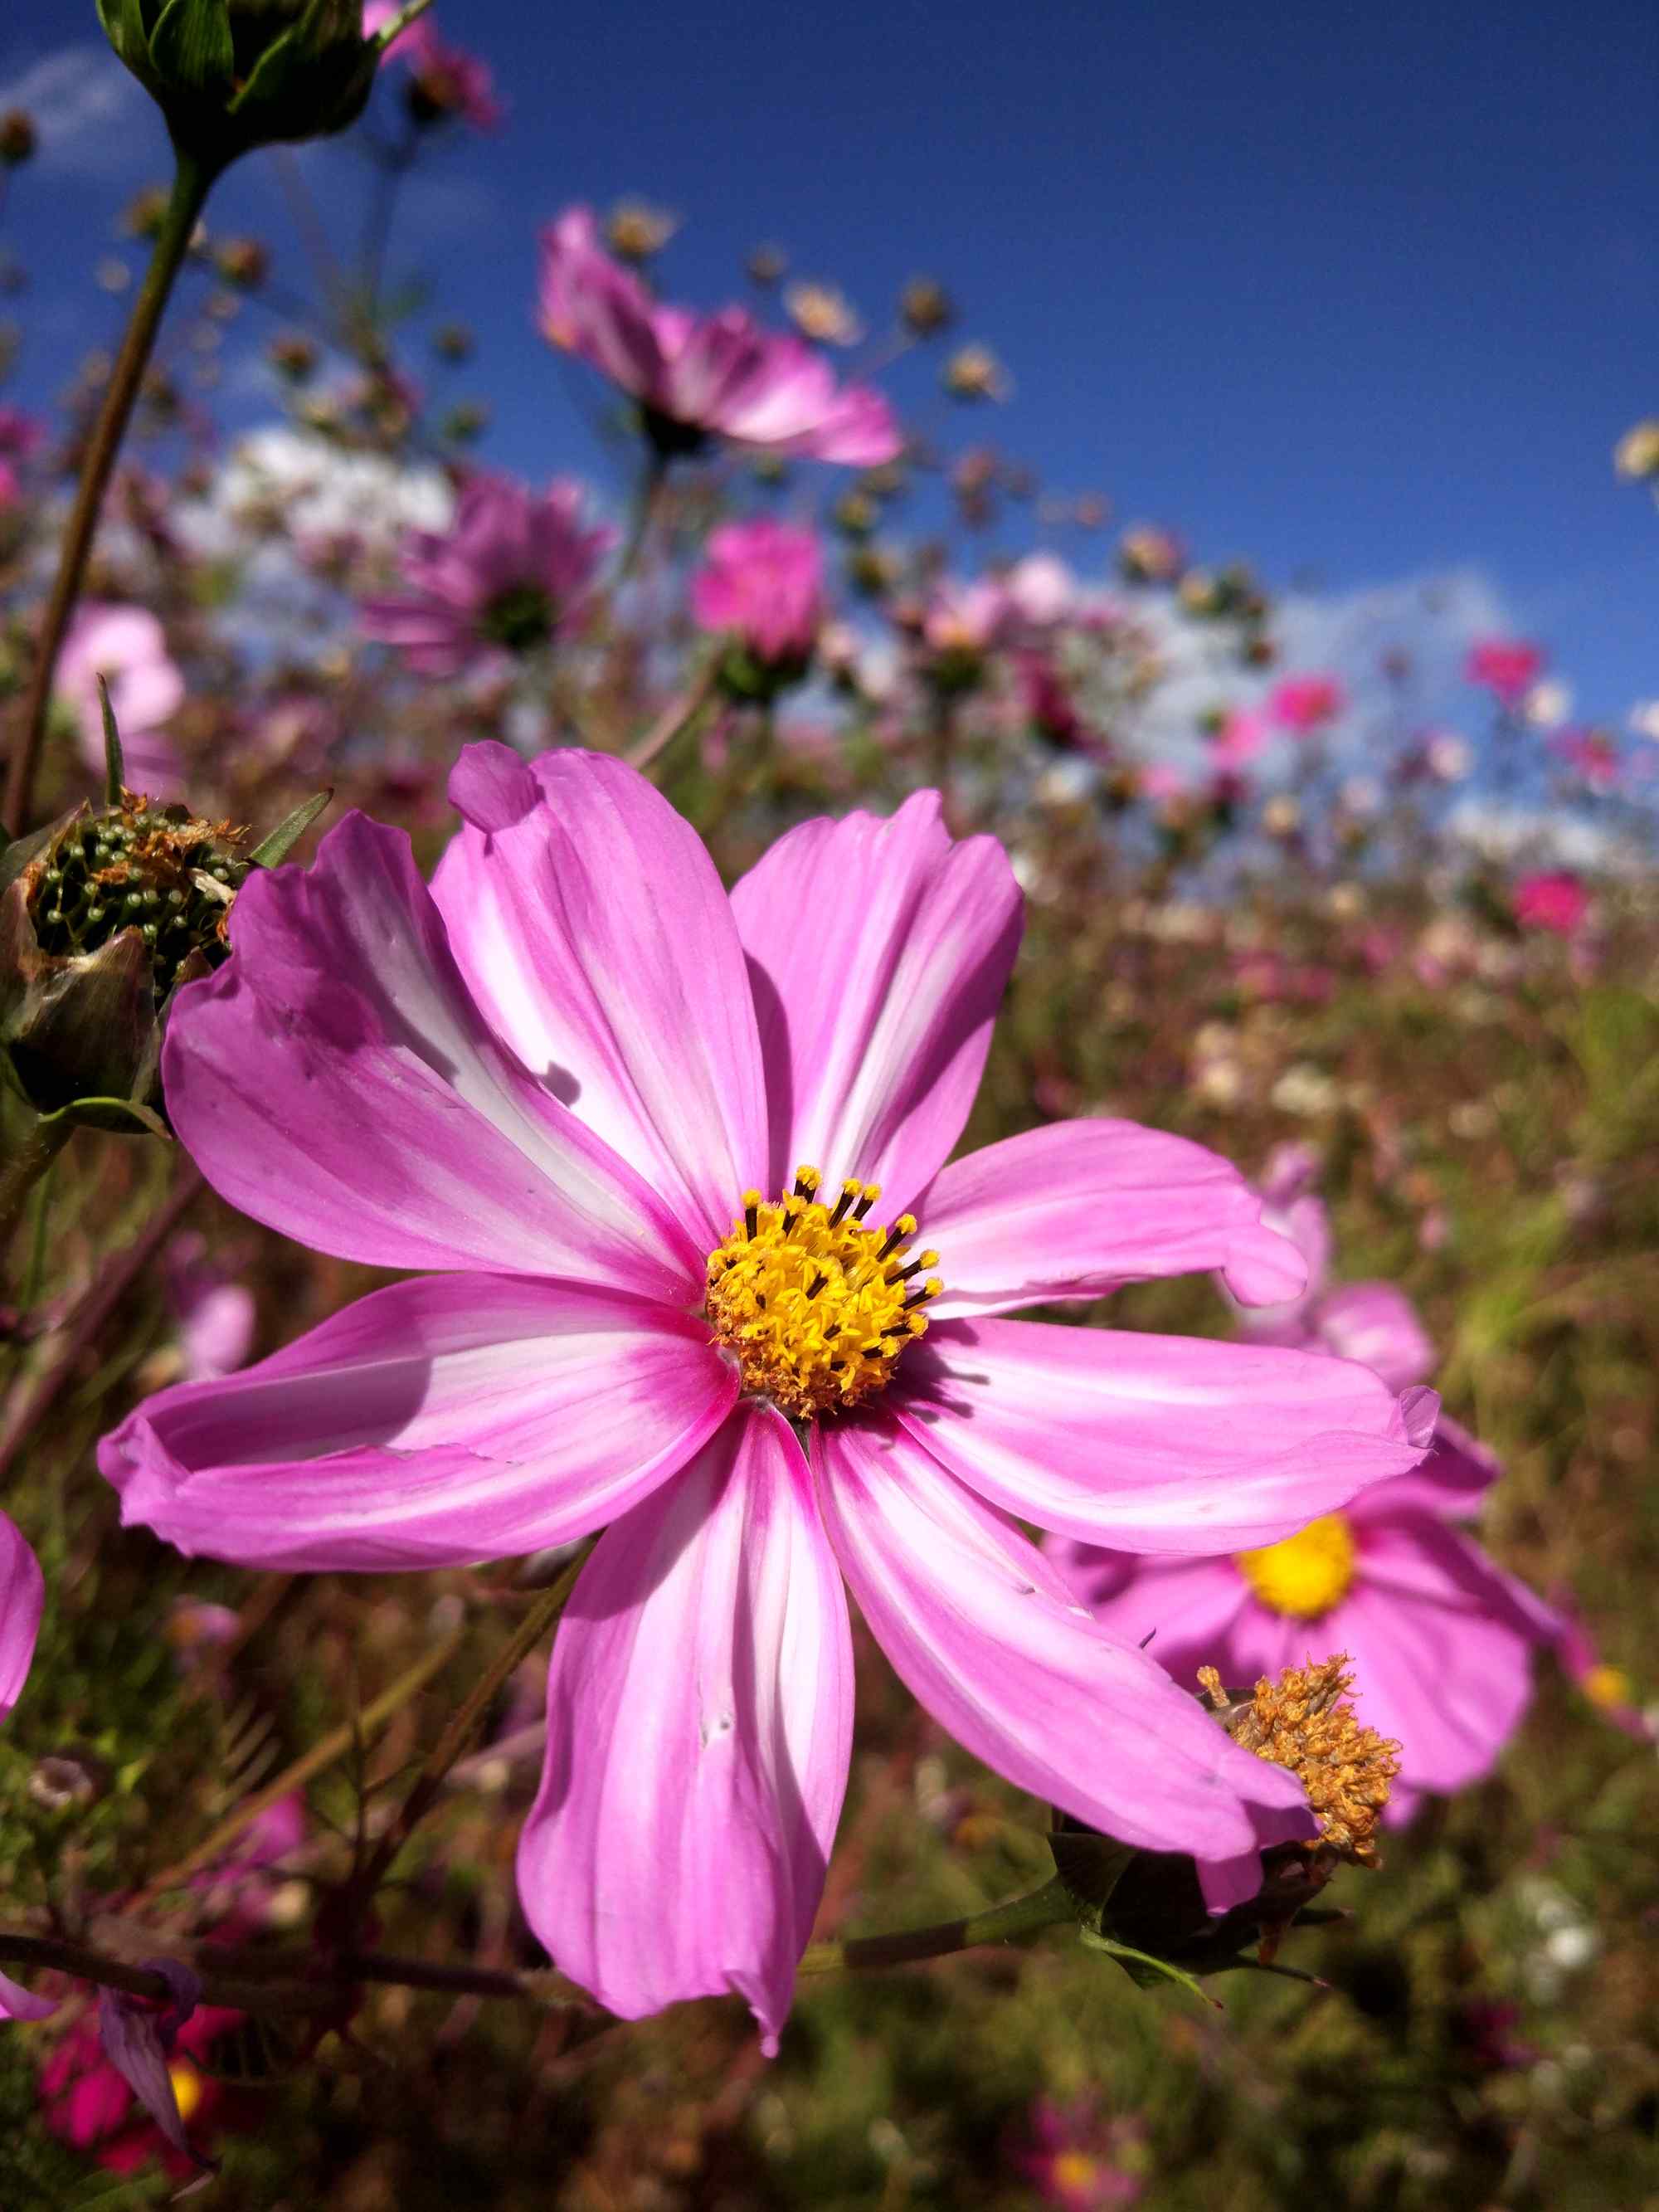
x: 1305, y: 1722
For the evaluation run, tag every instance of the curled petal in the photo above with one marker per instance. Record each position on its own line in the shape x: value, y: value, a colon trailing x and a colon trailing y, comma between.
x: 1073, y: 1210
x: 1152, y: 1443
x: 22, y: 1598
x: 699, y: 1713
x: 334, y: 1080
x: 440, y: 1421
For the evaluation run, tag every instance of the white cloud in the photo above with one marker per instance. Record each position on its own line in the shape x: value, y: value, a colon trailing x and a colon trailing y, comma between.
x: 83, y: 104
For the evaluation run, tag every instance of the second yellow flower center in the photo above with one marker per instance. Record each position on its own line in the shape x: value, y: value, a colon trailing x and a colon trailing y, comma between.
x: 1308, y: 1573
x: 814, y: 1304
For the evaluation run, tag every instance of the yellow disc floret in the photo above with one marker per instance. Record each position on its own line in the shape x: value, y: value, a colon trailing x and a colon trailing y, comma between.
x: 814, y: 1304
x: 1307, y: 1574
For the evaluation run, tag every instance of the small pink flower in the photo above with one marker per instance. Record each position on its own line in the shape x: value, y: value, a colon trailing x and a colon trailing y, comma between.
x: 1594, y: 754
x: 216, y: 1314
x: 1242, y: 736
x: 510, y: 573
x: 11, y: 489
x: 128, y: 647
x: 1505, y: 667
x: 87, y: 2103
x: 574, y: 1081
x: 966, y: 619
x: 1306, y: 703
x: 1608, y: 1688
x: 1552, y: 899
x: 763, y: 583
x: 702, y: 376
x: 20, y: 436
x: 22, y: 1600
x: 1080, y: 2161
x: 444, y: 80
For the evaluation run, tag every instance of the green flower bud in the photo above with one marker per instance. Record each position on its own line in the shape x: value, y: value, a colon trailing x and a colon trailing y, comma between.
x: 104, y: 917
x: 231, y: 75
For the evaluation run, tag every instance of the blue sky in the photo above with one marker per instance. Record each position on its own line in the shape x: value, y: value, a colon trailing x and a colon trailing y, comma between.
x: 1362, y: 295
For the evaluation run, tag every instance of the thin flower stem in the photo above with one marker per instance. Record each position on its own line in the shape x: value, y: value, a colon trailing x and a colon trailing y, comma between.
x: 679, y: 714
x: 647, y: 498
x: 23, y: 1170
x: 192, y: 181
x: 323, y: 1753
x: 88, y: 1317
x: 457, y: 1738
x: 1000, y: 1923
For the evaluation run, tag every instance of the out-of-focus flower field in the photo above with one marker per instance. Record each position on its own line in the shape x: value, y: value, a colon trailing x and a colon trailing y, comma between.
x: 809, y: 575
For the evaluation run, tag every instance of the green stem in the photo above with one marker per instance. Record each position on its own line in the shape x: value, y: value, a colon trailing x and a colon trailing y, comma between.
x: 1001, y: 1924
x: 647, y: 498
x: 679, y: 714
x: 192, y: 181
x: 21, y: 1173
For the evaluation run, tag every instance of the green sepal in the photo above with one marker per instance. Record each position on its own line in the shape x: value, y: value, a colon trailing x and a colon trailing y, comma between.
x: 115, y: 766
x: 289, y: 832
x: 109, y: 1113
x: 1091, y: 1866
x: 192, y: 46
x: 1144, y: 1971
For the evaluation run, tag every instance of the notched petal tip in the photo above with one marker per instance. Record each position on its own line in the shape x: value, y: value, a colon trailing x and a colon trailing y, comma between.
x: 1419, y: 1410
x: 491, y: 786
x: 1263, y: 1268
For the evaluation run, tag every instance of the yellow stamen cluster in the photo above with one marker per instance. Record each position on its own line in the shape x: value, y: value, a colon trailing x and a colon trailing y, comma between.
x: 816, y: 1305
x: 1608, y: 1686
x: 1308, y: 1573
x: 1303, y: 1721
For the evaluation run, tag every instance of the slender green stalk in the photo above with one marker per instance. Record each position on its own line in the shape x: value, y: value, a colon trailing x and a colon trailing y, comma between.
x: 680, y: 714
x: 23, y: 1170
x: 647, y: 498
x: 192, y: 183
x: 1047, y: 1907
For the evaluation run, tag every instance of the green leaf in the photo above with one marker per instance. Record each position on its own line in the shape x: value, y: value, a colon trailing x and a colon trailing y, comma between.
x: 1142, y: 1967
x: 115, y: 766
x: 287, y: 833
x: 192, y: 46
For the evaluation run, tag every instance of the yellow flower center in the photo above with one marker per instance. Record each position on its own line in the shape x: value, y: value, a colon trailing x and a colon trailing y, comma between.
x: 1075, y: 2170
x: 1307, y: 1574
x: 815, y: 1305
x: 1605, y: 1685
x: 186, y: 2087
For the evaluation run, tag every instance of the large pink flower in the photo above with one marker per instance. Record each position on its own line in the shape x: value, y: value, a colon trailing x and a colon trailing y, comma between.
x: 509, y: 573
x: 579, y: 1080
x: 763, y: 583
x: 22, y: 1595
x: 128, y: 647
x: 698, y: 376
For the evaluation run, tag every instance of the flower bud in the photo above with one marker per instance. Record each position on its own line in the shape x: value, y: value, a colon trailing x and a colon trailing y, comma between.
x: 17, y: 138
x: 232, y: 75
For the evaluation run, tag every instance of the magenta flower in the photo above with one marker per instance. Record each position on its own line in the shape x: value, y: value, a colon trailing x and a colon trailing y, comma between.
x: 21, y: 435
x: 128, y: 647
x: 763, y: 582
x: 1552, y: 899
x: 445, y: 80
x: 512, y: 572
x: 22, y: 1598
x: 1608, y: 1688
x: 577, y: 1081
x: 966, y: 620
x: 1080, y: 2160
x: 11, y: 490
x: 1306, y: 703
x: 702, y: 376
x: 1505, y: 667
x: 1242, y: 734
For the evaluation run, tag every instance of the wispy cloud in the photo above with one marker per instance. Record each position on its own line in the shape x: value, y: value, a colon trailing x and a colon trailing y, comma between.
x: 83, y: 104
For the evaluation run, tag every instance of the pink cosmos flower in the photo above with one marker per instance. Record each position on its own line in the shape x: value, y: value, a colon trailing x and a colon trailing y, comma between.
x: 444, y: 80
x: 1505, y: 667
x: 1441, y: 1637
x: 1081, y: 2161
x: 1243, y: 735
x: 510, y: 573
x: 966, y: 619
x: 1306, y: 703
x: 22, y: 1599
x: 577, y: 1081
x: 1608, y: 1688
x: 128, y: 647
x: 216, y: 1314
x: 702, y: 376
x: 764, y: 583
x: 86, y: 2102
x: 1554, y: 900
x: 1593, y: 754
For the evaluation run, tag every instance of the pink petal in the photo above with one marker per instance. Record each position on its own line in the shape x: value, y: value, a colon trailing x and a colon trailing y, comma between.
x: 1422, y: 1558
x: 700, y: 1715
x: 1451, y: 1482
x: 17, y: 2003
x: 985, y: 1634
x: 1378, y: 1326
x: 334, y: 1080
x: 440, y: 1421
x: 1150, y: 1443
x: 22, y: 1598
x: 1073, y: 1210
x: 878, y: 952
x: 1168, y: 1607
x: 592, y: 928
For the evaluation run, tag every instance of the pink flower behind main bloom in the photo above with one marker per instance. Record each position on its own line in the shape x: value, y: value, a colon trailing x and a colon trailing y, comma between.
x: 1506, y: 667
x: 1441, y: 1638
x: 445, y: 80
x: 128, y: 647
x: 1304, y: 704
x: 578, y: 1083
x: 763, y: 582
x: 1552, y: 899
x: 511, y: 572
x: 702, y: 376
